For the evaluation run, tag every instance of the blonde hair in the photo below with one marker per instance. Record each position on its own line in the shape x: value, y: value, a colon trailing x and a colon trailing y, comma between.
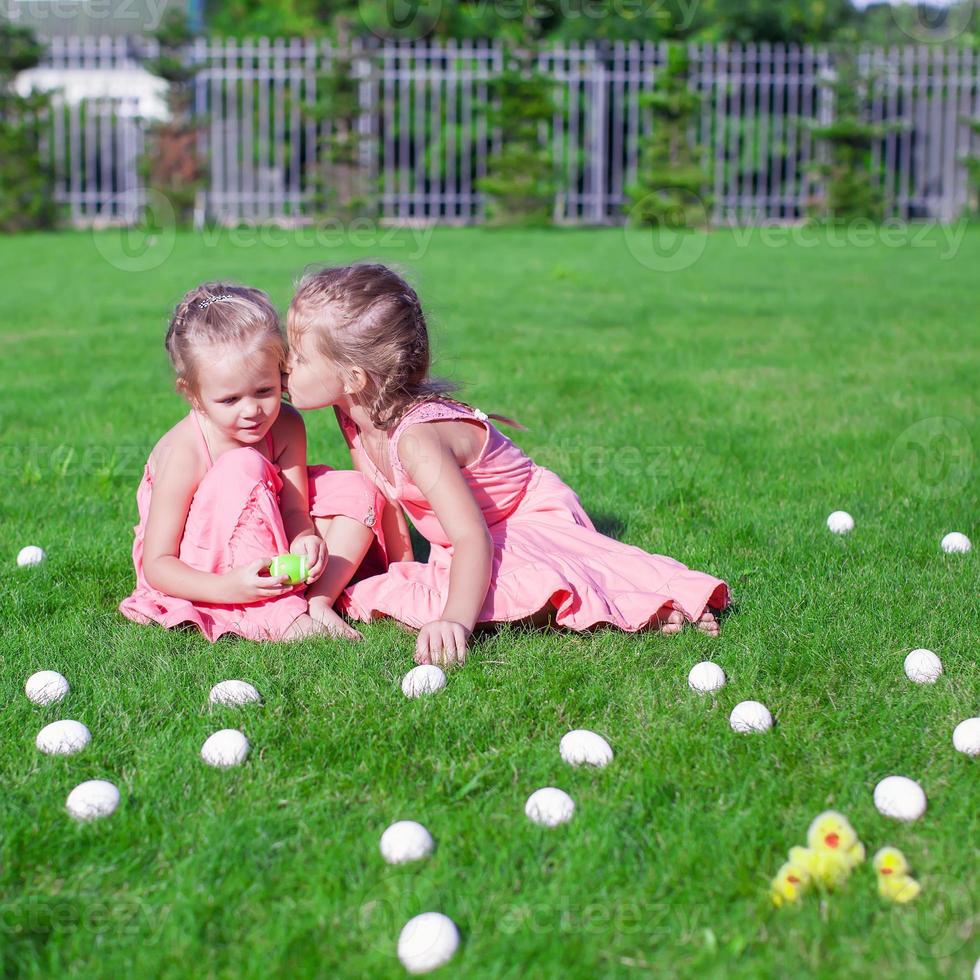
x: 221, y: 313
x: 365, y: 315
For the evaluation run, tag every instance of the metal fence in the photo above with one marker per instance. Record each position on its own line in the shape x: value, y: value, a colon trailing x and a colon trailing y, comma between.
x: 426, y: 138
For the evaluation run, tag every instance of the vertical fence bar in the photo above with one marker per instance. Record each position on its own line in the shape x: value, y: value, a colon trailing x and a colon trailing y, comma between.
x: 452, y: 77
x: 890, y: 155
x: 967, y: 84
x: 595, y: 136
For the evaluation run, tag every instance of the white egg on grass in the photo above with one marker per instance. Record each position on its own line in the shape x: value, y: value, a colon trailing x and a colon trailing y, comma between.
x: 426, y: 679
x: 966, y: 737
x: 582, y: 747
x: 923, y: 667
x: 406, y: 841
x: 900, y: 798
x: 46, y: 687
x: 955, y: 543
x: 64, y: 737
x: 840, y: 522
x: 706, y: 677
x: 549, y: 807
x: 228, y: 747
x: 427, y: 941
x: 750, y: 716
x: 233, y: 693
x: 92, y: 799
x: 29, y: 556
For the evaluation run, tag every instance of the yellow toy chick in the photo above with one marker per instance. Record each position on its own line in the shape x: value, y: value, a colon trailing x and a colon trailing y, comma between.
x: 894, y: 881
x: 792, y: 881
x: 834, y: 849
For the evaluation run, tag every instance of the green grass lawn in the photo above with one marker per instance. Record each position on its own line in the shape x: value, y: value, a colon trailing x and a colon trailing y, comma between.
x: 717, y: 414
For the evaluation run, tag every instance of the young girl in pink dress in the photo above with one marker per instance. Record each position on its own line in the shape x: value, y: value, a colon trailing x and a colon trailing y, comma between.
x: 510, y: 541
x: 227, y: 488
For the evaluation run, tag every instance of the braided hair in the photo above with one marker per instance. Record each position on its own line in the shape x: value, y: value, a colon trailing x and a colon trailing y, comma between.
x: 366, y: 315
x: 221, y: 313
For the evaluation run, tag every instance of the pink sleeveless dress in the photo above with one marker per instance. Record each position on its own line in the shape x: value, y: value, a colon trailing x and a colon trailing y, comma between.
x: 546, y: 550
x: 233, y: 519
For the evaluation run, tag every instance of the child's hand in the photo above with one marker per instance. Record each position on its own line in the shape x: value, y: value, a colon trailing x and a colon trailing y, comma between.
x: 315, y: 549
x: 252, y: 582
x: 442, y: 643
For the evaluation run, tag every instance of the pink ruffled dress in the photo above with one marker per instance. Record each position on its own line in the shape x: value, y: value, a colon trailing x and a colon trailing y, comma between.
x: 546, y: 550
x: 233, y: 519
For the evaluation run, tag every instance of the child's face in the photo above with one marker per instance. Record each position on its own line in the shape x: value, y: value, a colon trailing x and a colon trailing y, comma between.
x: 241, y: 394
x: 314, y: 380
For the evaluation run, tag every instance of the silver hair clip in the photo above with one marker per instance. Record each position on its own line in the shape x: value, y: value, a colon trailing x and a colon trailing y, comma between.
x: 205, y: 303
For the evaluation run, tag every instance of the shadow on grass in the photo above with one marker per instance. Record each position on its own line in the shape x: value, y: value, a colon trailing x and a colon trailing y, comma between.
x: 609, y: 525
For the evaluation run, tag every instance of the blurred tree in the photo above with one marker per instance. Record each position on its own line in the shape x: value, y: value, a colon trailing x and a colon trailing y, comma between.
x: 670, y: 188
x: 972, y: 162
x: 342, y: 185
x: 849, y: 185
x: 799, y: 21
x: 173, y: 167
x: 791, y: 21
x: 263, y: 18
x: 520, y: 183
x: 26, y: 186
x: 629, y: 20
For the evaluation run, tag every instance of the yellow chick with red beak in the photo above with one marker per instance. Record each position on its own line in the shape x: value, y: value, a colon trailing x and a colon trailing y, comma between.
x: 894, y: 881
x: 833, y: 849
x: 792, y: 881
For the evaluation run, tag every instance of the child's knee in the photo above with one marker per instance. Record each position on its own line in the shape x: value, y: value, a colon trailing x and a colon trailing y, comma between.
x: 335, y: 493
x: 246, y: 462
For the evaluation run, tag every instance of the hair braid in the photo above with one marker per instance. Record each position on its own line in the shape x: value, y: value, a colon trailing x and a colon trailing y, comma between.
x: 221, y: 313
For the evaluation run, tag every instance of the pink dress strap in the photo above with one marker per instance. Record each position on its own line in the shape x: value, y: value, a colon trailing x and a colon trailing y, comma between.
x: 201, y: 439
x: 434, y: 410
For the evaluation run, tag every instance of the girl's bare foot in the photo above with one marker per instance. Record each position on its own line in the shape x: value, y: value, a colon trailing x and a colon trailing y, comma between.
x: 331, y: 622
x: 708, y: 624
x: 322, y: 621
x: 672, y: 623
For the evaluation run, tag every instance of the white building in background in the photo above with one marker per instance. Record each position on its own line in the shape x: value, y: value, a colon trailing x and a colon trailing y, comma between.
x: 139, y: 93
